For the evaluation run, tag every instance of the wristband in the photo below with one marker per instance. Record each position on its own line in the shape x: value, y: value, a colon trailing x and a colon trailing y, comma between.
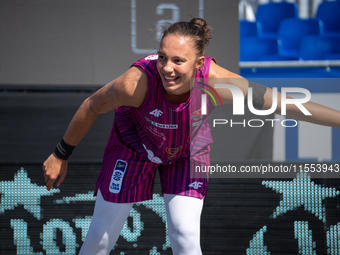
x: 63, y: 150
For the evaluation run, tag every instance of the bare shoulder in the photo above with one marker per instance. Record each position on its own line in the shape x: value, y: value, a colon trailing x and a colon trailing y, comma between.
x: 129, y: 89
x: 132, y: 87
x: 217, y: 71
x: 220, y: 75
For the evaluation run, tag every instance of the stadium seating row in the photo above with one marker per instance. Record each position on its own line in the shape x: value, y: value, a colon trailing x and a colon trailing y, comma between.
x: 279, y: 34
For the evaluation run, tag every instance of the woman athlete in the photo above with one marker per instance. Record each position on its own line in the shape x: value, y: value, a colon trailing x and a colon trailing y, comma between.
x: 155, y: 127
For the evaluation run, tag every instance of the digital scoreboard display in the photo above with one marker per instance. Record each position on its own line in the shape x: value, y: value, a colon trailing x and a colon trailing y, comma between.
x: 299, y: 215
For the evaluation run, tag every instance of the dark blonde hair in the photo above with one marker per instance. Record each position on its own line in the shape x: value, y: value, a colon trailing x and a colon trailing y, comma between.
x: 196, y: 28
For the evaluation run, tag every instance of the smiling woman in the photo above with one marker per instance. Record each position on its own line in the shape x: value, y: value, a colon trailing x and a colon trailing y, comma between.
x: 159, y: 125
x: 177, y: 62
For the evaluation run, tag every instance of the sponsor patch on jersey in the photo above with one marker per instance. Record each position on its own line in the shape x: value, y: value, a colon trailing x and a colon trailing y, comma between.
x: 173, y: 152
x: 151, y: 57
x: 165, y: 126
x: 117, y: 176
x: 197, y: 114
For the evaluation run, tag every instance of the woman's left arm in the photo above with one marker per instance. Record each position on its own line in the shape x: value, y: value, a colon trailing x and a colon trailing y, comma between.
x: 320, y: 114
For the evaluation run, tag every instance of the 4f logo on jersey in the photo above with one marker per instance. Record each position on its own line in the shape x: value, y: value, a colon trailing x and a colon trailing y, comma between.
x: 117, y: 176
x: 156, y: 113
x: 196, y: 185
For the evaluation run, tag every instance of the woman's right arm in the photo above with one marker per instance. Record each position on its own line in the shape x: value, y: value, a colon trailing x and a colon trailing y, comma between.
x: 129, y: 89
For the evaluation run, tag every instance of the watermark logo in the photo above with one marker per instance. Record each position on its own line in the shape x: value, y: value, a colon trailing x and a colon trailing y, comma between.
x: 239, y: 104
x: 204, y: 99
x: 238, y: 100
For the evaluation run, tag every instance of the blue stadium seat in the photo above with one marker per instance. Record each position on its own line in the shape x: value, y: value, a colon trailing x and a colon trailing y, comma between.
x: 277, y: 57
x: 334, y: 56
x: 291, y: 32
x: 248, y: 28
x: 271, y: 14
x: 252, y: 48
x: 329, y: 13
x: 316, y: 47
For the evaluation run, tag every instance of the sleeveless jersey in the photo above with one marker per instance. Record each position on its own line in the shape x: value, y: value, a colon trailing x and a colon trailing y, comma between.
x: 157, y: 130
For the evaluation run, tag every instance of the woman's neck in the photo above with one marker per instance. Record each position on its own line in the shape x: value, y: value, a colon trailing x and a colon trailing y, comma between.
x: 177, y: 99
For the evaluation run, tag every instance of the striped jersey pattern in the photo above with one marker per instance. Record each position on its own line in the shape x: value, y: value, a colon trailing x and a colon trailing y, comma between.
x: 157, y: 133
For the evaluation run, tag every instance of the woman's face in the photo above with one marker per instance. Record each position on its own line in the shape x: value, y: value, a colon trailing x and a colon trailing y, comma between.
x: 177, y: 64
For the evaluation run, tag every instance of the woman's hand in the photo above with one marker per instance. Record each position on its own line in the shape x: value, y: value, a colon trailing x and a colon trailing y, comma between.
x: 129, y: 89
x: 54, y: 168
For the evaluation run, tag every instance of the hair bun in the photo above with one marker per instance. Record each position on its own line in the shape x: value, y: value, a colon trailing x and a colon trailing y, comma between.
x: 203, y: 25
x: 197, y: 29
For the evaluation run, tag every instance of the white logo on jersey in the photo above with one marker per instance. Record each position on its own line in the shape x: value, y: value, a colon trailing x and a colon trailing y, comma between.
x: 117, y: 176
x: 151, y: 156
x: 165, y: 126
x: 156, y: 113
x: 196, y: 185
x: 196, y: 125
x: 151, y: 57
